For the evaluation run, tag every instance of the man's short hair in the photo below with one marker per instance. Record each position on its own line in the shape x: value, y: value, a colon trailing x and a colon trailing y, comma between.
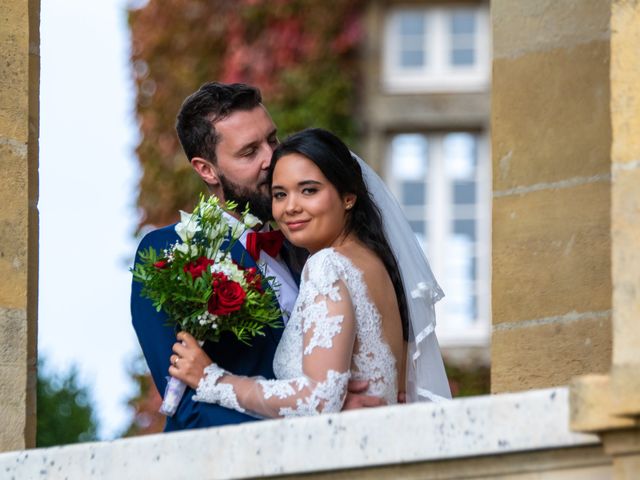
x: 212, y: 102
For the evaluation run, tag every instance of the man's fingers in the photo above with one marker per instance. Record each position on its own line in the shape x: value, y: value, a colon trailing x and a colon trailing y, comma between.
x: 357, y: 386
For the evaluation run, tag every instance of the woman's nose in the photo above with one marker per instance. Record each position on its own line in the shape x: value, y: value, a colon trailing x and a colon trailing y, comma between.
x: 292, y: 205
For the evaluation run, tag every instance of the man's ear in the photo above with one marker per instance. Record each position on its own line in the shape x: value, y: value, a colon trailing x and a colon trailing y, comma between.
x: 205, y: 169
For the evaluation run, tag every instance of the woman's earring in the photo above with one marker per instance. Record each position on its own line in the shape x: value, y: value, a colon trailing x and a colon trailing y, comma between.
x: 348, y: 206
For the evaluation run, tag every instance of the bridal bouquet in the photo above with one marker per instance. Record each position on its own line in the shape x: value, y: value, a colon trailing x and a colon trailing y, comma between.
x: 202, y: 290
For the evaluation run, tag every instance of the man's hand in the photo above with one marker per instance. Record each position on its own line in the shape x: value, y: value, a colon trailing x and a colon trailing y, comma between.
x: 357, y: 399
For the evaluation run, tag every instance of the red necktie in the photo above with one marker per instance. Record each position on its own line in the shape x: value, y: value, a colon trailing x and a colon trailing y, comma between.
x: 270, y: 242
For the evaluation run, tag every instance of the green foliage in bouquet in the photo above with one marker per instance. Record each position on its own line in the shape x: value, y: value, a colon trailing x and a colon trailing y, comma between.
x: 195, y: 281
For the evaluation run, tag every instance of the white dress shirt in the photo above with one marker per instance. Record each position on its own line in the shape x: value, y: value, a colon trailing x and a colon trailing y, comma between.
x: 286, y: 288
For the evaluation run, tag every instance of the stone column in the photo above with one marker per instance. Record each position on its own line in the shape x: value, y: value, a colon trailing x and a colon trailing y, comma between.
x: 552, y: 137
x: 19, y: 110
x: 610, y: 404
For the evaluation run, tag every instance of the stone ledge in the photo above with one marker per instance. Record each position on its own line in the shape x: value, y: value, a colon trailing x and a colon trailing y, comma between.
x: 471, y: 427
x: 601, y: 403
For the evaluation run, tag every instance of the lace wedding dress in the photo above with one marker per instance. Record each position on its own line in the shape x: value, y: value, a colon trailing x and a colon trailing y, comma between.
x: 334, y: 335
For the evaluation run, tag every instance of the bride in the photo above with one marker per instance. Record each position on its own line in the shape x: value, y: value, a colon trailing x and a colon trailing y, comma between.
x: 365, y: 307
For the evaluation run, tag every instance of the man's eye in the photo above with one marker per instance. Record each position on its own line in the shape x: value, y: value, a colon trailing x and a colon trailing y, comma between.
x: 248, y: 153
x: 273, y: 141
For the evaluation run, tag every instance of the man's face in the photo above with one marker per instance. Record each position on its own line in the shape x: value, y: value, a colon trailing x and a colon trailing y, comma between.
x: 246, y: 142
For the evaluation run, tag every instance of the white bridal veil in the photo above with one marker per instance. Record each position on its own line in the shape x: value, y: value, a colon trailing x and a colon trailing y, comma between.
x: 426, y: 377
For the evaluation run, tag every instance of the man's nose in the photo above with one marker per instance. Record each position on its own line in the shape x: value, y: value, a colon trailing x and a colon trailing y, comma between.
x: 266, y: 153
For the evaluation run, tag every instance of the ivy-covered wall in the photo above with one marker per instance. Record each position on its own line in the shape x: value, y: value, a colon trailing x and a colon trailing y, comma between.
x: 302, y: 54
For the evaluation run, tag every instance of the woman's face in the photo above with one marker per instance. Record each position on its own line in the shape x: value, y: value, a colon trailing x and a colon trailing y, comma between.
x: 307, y: 207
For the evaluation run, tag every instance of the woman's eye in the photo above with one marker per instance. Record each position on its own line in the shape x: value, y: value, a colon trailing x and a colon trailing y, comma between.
x: 309, y: 191
x: 278, y: 195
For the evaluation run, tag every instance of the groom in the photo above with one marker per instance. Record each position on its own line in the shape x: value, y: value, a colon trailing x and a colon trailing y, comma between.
x: 228, y: 137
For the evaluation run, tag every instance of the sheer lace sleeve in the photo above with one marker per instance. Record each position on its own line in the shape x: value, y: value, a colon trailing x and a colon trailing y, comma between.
x: 327, y: 323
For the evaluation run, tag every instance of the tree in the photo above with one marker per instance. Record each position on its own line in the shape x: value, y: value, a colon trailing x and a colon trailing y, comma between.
x: 145, y: 402
x: 65, y: 414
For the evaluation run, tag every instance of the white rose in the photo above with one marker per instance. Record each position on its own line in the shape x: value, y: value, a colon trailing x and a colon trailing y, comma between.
x: 190, y: 250
x: 187, y: 227
x: 182, y: 247
x: 250, y: 220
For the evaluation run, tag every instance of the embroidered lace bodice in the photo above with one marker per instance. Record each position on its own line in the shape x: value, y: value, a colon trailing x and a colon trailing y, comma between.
x: 334, y: 335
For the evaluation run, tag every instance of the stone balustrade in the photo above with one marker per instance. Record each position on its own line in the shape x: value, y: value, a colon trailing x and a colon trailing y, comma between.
x: 476, y: 437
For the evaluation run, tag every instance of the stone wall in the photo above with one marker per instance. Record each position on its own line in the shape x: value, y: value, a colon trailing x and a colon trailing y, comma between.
x: 19, y: 86
x: 552, y: 138
x: 521, y: 436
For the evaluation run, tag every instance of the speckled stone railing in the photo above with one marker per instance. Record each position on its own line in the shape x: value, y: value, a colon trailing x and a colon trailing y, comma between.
x: 471, y: 427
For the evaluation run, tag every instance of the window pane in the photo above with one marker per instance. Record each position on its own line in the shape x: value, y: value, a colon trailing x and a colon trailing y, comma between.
x: 460, y: 156
x: 413, y: 193
x: 465, y: 228
x: 463, y: 22
x: 411, y: 24
x: 464, y: 193
x: 460, y: 281
x: 412, y: 58
x: 462, y: 31
x: 411, y: 33
x: 409, y: 157
x: 463, y: 57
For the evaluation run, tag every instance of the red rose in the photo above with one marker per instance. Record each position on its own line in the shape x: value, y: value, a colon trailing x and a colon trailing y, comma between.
x: 228, y: 296
x: 197, y: 267
x: 254, y: 279
x: 161, y: 264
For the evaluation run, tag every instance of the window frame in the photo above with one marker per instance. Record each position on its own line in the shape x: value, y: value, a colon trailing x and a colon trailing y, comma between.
x: 437, y: 75
x: 437, y: 212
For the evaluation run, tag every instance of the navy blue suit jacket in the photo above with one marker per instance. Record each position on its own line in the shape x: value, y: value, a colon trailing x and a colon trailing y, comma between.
x: 156, y: 339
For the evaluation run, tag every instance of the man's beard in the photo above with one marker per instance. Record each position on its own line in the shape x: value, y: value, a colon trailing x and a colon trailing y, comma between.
x: 259, y: 203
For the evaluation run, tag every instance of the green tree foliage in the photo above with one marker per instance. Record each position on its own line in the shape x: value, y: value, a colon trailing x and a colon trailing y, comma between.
x: 145, y: 402
x: 65, y: 414
x: 302, y: 54
x: 469, y: 380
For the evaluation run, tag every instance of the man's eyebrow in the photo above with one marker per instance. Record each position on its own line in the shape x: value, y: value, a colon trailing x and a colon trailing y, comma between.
x: 255, y: 143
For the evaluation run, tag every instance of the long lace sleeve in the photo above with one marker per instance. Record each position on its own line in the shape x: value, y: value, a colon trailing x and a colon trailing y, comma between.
x: 326, y: 324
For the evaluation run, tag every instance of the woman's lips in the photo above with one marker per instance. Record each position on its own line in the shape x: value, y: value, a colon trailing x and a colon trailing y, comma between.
x: 297, y: 225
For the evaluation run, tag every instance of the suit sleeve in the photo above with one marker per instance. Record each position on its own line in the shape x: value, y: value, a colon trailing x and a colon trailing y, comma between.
x: 156, y: 339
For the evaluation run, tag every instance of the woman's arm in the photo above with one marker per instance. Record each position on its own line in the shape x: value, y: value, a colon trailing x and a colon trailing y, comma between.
x: 328, y: 329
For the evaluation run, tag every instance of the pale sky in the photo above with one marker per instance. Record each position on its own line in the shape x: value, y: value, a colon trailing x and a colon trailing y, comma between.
x: 88, y: 176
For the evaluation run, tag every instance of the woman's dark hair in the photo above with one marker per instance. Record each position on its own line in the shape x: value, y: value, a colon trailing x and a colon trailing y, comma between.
x: 335, y: 161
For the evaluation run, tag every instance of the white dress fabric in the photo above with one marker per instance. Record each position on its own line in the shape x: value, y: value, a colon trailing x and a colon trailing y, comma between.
x: 334, y: 335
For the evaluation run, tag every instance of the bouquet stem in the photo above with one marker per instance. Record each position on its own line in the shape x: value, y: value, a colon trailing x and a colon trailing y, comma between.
x: 172, y: 395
